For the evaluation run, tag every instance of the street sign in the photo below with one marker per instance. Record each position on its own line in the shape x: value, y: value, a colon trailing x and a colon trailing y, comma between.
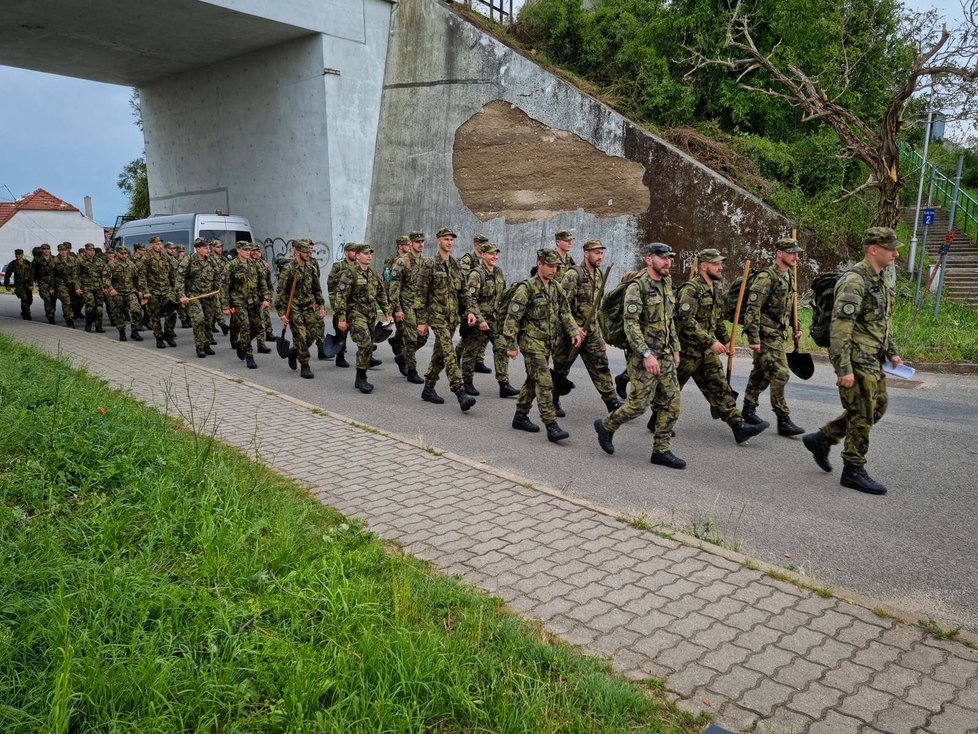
x: 928, y: 216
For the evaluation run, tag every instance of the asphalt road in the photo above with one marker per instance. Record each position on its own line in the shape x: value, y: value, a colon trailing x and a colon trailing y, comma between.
x: 915, y: 548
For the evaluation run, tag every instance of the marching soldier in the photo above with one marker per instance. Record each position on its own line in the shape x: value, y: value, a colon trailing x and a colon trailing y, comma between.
x: 139, y: 262
x: 563, y: 242
x: 65, y: 283
x: 359, y: 298
x: 348, y: 262
x: 441, y: 290
x: 21, y: 270
x: 583, y: 285
x: 244, y: 294
x: 125, y: 293
x: 402, y: 246
x: 221, y: 263
x: 653, y: 356
x: 703, y: 338
x: 43, y: 272
x: 485, y: 284
x: 402, y: 294
x: 92, y: 277
x: 537, y: 314
x: 197, y: 275
x: 861, y: 338
x: 468, y: 262
x: 157, y: 288
x: 767, y: 320
x: 265, y: 335
x: 308, y: 304
x: 182, y: 313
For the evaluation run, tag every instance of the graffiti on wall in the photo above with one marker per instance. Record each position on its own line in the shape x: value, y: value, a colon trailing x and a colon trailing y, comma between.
x: 277, y: 249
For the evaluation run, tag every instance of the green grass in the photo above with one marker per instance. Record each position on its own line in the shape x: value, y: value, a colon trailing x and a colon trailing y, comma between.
x: 153, y: 580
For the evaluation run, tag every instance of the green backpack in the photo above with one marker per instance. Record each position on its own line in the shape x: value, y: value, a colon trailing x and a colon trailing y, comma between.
x: 823, y: 300
x: 610, y: 314
x: 730, y: 305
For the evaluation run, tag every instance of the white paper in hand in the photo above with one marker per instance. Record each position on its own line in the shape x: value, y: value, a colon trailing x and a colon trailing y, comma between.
x: 899, y: 370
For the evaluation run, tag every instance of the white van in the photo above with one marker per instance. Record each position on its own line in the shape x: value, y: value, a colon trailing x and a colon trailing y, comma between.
x: 183, y: 229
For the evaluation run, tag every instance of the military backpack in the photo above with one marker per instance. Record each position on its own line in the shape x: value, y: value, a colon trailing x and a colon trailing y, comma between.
x: 823, y: 300
x: 730, y: 303
x: 610, y: 317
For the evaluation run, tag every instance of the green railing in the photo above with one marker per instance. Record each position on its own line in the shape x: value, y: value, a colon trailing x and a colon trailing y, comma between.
x: 966, y: 213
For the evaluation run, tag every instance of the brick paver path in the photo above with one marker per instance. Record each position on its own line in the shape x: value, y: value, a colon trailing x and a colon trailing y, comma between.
x: 759, y: 654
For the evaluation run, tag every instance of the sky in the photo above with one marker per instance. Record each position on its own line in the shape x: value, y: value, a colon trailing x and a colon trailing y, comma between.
x: 73, y: 137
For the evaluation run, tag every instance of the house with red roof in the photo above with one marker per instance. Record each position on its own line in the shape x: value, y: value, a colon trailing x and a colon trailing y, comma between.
x: 40, y: 217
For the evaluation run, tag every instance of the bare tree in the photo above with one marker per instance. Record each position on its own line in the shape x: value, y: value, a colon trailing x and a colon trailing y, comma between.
x: 943, y: 65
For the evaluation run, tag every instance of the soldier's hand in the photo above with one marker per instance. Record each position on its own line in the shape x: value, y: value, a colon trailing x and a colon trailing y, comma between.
x: 113, y: 293
x: 846, y: 380
x: 266, y: 303
x: 577, y: 338
x: 511, y: 353
x: 651, y: 364
x: 718, y: 348
x: 322, y: 312
x: 422, y: 329
x: 78, y: 291
x: 398, y: 316
x: 675, y: 358
x: 342, y: 325
x: 228, y: 311
x: 483, y: 326
x: 184, y: 300
x: 285, y: 320
x: 471, y: 320
x: 797, y: 335
x: 896, y: 359
x: 755, y: 347
x: 51, y: 291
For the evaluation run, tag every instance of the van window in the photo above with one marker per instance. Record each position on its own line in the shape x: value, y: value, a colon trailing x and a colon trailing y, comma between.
x: 228, y: 238
x: 177, y: 237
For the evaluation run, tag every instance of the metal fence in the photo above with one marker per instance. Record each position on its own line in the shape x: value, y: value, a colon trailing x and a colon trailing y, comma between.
x: 500, y: 10
x: 966, y: 213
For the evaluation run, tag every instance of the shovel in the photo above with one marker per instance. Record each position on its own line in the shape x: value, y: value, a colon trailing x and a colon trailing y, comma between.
x: 282, y: 344
x: 170, y: 306
x: 731, y: 350
x: 800, y: 363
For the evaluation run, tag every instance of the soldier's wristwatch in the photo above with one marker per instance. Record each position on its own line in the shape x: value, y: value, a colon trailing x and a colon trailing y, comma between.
x: 646, y: 354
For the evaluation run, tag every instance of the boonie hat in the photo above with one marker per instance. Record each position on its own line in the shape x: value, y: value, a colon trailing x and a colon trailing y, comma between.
x: 881, y: 237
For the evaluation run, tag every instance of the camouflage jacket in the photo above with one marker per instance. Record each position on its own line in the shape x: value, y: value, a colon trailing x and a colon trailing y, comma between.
x: 862, y: 330
x: 308, y: 289
x: 196, y: 276
x: 768, y: 310
x: 22, y: 273
x: 174, y: 264
x: 334, y: 276
x: 123, y: 276
x: 566, y: 263
x: 699, y: 315
x: 243, y: 285
x: 156, y: 276
x: 647, y: 312
x: 43, y: 271
x: 65, y: 273
x: 441, y: 294
x: 404, y: 286
x: 536, y: 317
x: 92, y: 273
x: 469, y: 262
x: 359, y: 291
x: 583, y: 289
x: 266, y: 270
x: 484, y: 289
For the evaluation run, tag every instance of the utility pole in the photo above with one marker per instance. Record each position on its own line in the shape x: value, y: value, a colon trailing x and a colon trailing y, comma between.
x: 920, y: 192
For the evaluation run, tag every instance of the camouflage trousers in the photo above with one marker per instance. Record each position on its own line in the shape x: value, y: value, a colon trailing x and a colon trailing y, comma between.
x: 443, y: 358
x: 26, y: 296
x: 306, y: 326
x: 246, y: 323
x: 93, y: 305
x: 864, y: 404
x: 340, y: 336
x: 660, y: 392
x: 770, y: 368
x: 119, y: 306
x: 266, y: 325
x: 65, y: 295
x: 595, y: 359
x: 410, y: 340
x: 161, y: 325
x: 706, y: 369
x: 362, y: 334
x: 473, y: 348
x: 50, y: 301
x: 539, y: 384
x: 201, y: 320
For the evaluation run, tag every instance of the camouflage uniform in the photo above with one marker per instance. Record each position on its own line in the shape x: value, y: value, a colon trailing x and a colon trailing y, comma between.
x: 23, y: 274
x: 484, y: 290
x: 138, y: 259
x: 195, y: 276
x: 93, y: 278
x: 43, y: 271
x: 403, y: 291
x: 767, y: 321
x: 358, y: 298
x: 157, y: 289
x: 65, y: 282
x: 123, y: 277
x: 441, y: 291
x: 170, y: 320
x: 583, y: 288
x: 266, y: 313
x: 538, y: 317
x: 332, y: 280
x: 648, y: 323
x: 304, y: 320
x: 243, y: 289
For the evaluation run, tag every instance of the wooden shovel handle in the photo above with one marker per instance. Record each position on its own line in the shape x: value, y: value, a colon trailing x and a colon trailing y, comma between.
x: 288, y: 306
x: 733, y: 329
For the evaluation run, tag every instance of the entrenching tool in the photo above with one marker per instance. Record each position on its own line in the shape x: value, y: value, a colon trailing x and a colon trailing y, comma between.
x: 282, y: 345
x: 171, y: 306
x: 383, y: 331
x: 800, y: 363
x: 731, y: 349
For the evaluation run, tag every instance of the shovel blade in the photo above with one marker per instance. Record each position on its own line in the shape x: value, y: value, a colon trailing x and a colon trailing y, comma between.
x: 801, y: 364
x: 382, y: 332
x: 332, y: 345
x: 169, y: 307
x: 282, y: 346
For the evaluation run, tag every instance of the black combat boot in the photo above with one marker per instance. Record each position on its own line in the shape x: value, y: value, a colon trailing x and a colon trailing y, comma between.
x: 604, y: 438
x: 401, y: 364
x: 361, y: 383
x: 414, y: 378
x: 787, y: 428
x: 612, y: 405
x: 70, y: 324
x: 470, y: 389
x: 235, y: 344
x: 465, y: 401
x: 293, y: 357
x: 214, y: 328
x: 170, y: 340
x: 99, y: 329
x: 430, y: 396
x: 224, y: 328
x: 374, y: 362
x: 250, y: 363
x: 742, y: 431
x: 559, y: 410
x: 270, y: 337
x: 208, y: 351
x: 239, y: 350
x: 555, y: 433
x: 122, y: 335
x: 750, y: 415
x: 320, y: 354
x: 27, y: 317
x: 855, y: 477
x: 341, y: 360
x: 184, y: 323
x: 213, y: 342
x: 818, y: 444
x: 482, y: 369
x: 160, y: 344
x: 201, y: 353
x: 263, y: 349
x: 667, y: 458
x: 306, y: 372
x: 522, y: 422
x: 621, y: 385
x: 715, y: 413
x: 88, y: 325
x: 135, y: 335
x: 507, y: 391
x: 50, y: 319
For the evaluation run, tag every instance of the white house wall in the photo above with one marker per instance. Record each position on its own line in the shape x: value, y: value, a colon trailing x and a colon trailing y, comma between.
x: 28, y: 229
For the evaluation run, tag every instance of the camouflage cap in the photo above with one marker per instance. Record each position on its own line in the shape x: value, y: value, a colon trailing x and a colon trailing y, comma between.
x: 364, y: 247
x: 881, y: 237
x: 216, y: 243
x: 593, y: 245
x: 66, y: 244
x: 201, y: 242
x: 181, y: 248
x: 786, y: 244
x: 486, y: 248
x: 89, y: 246
x: 301, y: 246
x: 45, y: 246
x: 661, y: 249
x: 121, y: 250
x: 139, y: 246
x: 351, y: 246
x: 416, y: 236
x: 445, y: 232
x: 169, y: 245
x: 564, y: 234
x: 402, y: 240
x: 62, y: 246
x: 480, y: 239
x: 18, y: 251
x: 242, y: 245
x: 710, y: 255
x: 548, y: 256
x: 153, y: 239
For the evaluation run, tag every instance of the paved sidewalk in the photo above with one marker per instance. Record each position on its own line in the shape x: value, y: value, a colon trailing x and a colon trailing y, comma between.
x: 759, y: 654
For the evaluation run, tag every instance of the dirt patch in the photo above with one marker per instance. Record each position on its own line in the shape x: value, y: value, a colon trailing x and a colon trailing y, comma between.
x: 506, y: 164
